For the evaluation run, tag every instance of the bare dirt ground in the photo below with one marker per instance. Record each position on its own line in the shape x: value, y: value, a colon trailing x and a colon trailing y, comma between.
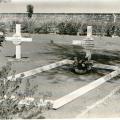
x: 59, y: 81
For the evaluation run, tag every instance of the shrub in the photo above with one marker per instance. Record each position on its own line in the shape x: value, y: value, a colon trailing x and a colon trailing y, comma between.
x: 7, y: 88
x: 84, y: 29
x: 70, y: 28
x: 2, y: 33
x: 109, y: 30
x: 10, y: 105
x: 28, y: 25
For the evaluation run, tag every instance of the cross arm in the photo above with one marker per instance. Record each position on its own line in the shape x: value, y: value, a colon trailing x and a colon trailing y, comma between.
x: 9, y: 38
x: 20, y: 39
x: 23, y: 39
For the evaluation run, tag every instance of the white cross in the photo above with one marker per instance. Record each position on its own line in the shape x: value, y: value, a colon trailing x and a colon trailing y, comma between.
x: 87, y: 43
x: 114, y: 16
x: 89, y: 31
x: 17, y: 39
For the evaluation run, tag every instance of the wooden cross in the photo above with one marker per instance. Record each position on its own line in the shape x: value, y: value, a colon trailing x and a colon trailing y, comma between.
x: 87, y: 43
x: 17, y: 39
x: 114, y: 20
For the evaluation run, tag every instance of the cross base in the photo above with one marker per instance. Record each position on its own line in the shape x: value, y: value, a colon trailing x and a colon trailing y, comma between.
x: 20, y: 60
x: 18, y: 51
x: 13, y: 59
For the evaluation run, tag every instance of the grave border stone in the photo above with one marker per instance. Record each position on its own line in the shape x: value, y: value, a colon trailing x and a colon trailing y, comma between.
x: 79, y: 92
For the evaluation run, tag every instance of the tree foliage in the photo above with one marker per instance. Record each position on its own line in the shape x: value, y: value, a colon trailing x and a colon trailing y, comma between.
x: 30, y: 11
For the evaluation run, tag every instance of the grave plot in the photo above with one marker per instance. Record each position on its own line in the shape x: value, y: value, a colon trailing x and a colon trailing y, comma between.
x: 60, y: 82
x: 64, y: 82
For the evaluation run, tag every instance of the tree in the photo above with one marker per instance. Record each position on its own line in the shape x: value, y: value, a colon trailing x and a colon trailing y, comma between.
x: 30, y: 10
x: 29, y: 15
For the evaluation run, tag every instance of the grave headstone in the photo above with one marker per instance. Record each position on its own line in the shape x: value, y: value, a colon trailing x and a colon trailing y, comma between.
x: 17, y: 40
x: 78, y: 33
x: 114, y: 28
x: 89, y: 31
x: 114, y: 17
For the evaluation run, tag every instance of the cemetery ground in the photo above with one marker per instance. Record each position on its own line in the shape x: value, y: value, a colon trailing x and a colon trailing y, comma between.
x: 47, y: 49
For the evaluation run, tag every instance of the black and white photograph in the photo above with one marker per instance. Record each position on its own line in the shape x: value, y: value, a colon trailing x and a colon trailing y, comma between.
x: 59, y: 59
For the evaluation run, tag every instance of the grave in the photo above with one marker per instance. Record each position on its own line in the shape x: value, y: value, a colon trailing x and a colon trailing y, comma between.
x: 79, y: 92
x: 83, y: 66
x: 17, y: 40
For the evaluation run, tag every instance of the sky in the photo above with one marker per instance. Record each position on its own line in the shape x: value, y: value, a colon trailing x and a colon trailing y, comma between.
x: 65, y: 0
x: 95, y: 1
x: 63, y: 6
